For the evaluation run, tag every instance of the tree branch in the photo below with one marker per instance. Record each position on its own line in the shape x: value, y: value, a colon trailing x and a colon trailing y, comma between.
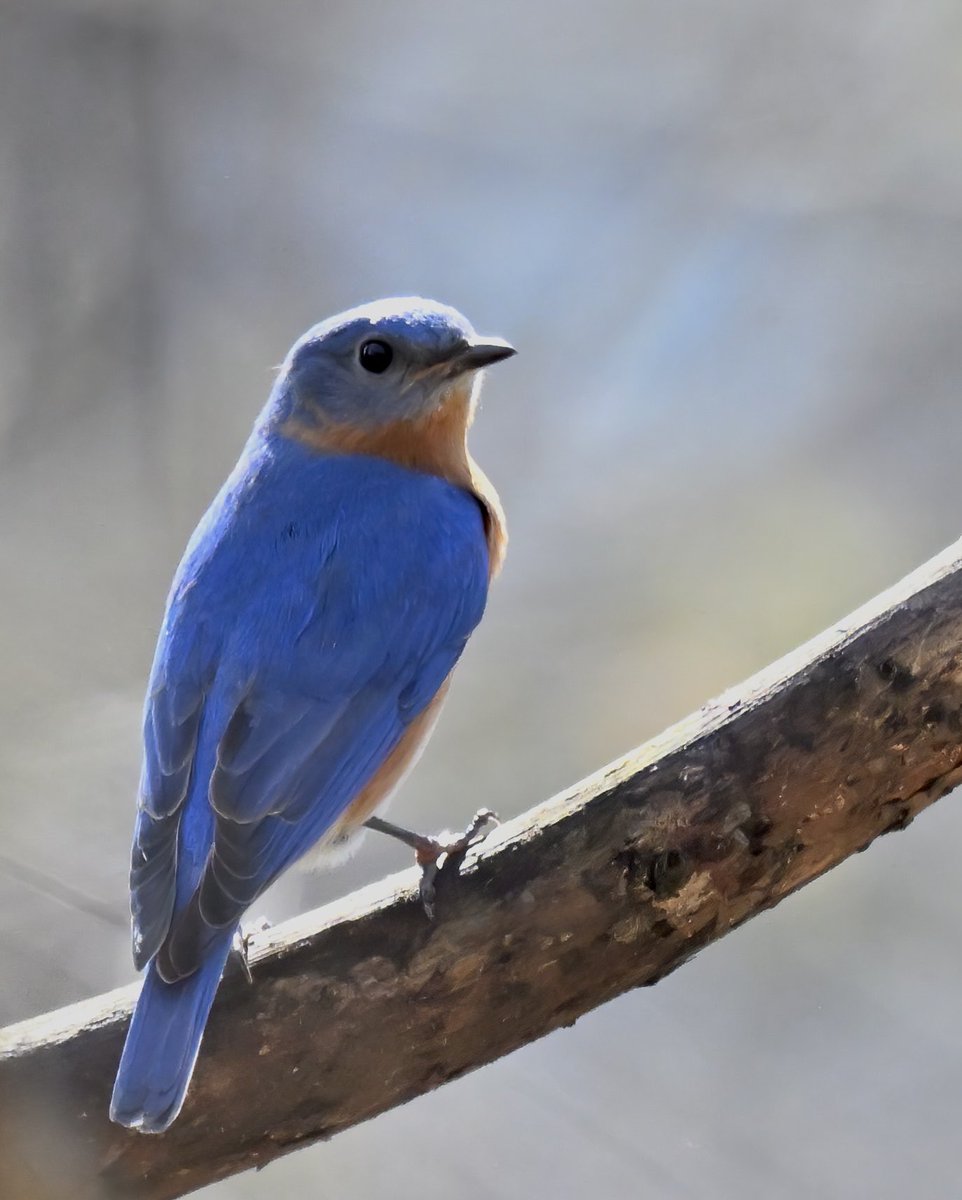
x: 608, y: 886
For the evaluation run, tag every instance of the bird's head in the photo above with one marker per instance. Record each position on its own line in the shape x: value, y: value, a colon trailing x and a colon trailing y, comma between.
x: 390, y: 361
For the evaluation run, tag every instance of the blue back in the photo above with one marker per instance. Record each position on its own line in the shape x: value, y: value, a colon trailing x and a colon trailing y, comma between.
x: 320, y: 604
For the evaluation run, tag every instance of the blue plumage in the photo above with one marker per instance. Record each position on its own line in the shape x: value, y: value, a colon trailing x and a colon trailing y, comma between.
x: 321, y: 603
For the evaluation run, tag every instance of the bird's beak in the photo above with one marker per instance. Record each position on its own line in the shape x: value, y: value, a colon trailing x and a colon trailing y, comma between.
x: 482, y: 352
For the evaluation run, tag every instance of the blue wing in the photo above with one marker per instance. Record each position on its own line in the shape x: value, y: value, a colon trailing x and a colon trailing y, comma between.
x: 318, y: 610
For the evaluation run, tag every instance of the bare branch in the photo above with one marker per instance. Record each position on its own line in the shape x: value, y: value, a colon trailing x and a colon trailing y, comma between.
x: 364, y: 1005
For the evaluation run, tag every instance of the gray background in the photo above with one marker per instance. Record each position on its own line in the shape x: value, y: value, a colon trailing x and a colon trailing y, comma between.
x: 726, y: 239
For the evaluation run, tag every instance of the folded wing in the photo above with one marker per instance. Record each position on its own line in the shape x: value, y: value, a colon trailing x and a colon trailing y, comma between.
x: 296, y: 727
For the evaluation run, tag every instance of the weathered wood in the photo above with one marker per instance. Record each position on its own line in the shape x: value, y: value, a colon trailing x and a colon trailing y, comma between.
x: 364, y: 1004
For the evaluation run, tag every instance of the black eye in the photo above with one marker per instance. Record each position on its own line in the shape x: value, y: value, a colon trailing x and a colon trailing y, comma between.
x: 375, y: 357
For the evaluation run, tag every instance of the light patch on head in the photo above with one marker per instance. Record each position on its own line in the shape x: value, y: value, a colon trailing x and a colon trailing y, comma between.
x: 402, y: 315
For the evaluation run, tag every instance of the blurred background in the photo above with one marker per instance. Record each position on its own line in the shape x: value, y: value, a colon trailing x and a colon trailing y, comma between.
x: 727, y: 240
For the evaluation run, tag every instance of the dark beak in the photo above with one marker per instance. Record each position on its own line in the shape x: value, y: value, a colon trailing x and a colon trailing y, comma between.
x: 482, y: 352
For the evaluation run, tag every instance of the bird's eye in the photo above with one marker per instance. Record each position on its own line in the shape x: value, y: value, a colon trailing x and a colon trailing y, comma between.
x: 375, y: 357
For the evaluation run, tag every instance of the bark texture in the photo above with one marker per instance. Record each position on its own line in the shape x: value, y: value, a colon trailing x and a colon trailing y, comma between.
x: 604, y: 888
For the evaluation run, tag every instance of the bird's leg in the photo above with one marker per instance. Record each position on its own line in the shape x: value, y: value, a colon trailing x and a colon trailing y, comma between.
x: 432, y: 853
x: 240, y: 946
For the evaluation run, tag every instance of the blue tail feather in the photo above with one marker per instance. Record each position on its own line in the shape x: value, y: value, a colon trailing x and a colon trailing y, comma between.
x: 162, y: 1043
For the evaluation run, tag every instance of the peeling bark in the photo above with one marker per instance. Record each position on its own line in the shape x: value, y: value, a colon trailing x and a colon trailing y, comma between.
x: 607, y: 887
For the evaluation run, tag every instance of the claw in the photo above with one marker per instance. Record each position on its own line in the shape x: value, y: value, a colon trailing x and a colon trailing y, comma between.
x: 240, y: 945
x: 432, y: 854
x: 477, y: 831
x: 429, y: 872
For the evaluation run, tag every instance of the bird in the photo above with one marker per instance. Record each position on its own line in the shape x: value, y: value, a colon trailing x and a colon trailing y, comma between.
x: 306, y: 648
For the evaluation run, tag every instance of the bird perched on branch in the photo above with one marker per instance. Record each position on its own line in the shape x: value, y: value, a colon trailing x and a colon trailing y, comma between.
x: 308, y: 642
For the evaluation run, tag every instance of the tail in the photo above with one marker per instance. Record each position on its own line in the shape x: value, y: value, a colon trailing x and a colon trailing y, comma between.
x: 162, y: 1043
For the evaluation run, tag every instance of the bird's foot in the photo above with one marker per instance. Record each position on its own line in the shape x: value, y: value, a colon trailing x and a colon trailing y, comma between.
x: 240, y: 946
x: 432, y: 854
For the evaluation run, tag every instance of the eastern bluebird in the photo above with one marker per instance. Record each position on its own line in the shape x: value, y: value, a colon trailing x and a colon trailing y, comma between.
x: 307, y: 645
